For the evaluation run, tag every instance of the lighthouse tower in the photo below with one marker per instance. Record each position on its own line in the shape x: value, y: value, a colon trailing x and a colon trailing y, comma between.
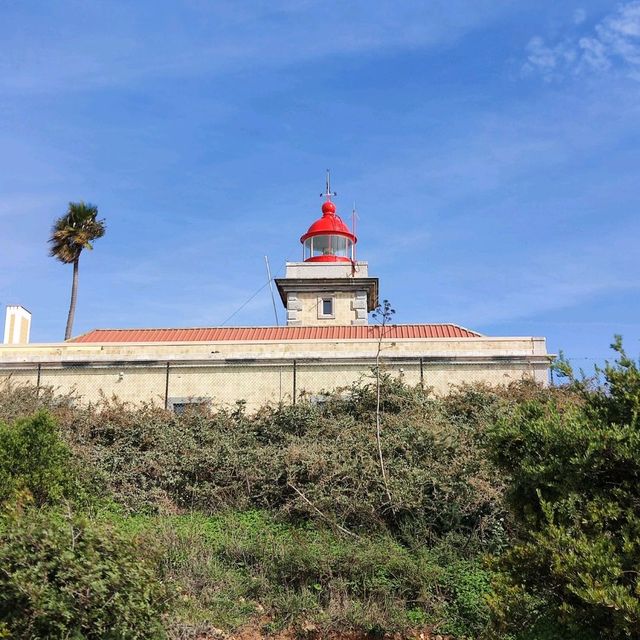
x: 329, y: 286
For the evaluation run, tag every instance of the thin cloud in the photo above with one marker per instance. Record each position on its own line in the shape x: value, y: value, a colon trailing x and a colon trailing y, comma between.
x: 579, y: 16
x: 218, y: 38
x: 613, y: 45
x: 549, y: 281
x: 469, y: 179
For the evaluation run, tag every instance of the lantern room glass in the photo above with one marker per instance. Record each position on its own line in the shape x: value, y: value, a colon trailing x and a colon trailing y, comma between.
x: 329, y: 245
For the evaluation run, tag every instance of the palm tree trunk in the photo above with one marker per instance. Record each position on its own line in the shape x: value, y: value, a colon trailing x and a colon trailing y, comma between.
x: 74, y: 296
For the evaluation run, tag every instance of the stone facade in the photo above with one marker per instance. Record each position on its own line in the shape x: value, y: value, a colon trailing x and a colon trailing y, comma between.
x: 305, y: 308
x: 347, y: 287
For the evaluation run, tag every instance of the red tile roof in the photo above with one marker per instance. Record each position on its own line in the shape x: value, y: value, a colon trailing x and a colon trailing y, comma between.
x: 260, y: 334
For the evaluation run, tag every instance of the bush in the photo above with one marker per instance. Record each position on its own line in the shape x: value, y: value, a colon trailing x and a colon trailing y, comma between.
x: 35, y: 461
x: 573, y: 567
x: 305, y: 461
x: 63, y: 577
x: 294, y: 523
x: 20, y: 400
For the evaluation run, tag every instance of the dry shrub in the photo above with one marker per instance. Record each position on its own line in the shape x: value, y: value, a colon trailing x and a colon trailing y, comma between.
x: 307, y: 460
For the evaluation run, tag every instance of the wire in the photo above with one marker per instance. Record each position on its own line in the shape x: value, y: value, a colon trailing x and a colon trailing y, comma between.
x: 246, y: 302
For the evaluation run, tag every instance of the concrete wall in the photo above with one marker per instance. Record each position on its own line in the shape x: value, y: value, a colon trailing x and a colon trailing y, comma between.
x: 260, y: 372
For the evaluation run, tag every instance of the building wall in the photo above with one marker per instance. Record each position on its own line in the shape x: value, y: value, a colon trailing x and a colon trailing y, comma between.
x: 307, y: 283
x: 511, y: 347
x: 264, y: 372
x: 315, y: 270
x: 256, y: 384
x: 349, y: 308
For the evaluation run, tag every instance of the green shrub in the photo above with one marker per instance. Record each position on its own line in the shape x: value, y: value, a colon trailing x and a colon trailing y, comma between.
x: 573, y: 566
x: 467, y: 585
x: 295, y: 525
x: 305, y: 461
x: 34, y: 460
x: 63, y: 577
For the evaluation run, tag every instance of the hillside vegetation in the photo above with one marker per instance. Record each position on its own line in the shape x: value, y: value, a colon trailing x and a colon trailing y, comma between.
x: 509, y: 513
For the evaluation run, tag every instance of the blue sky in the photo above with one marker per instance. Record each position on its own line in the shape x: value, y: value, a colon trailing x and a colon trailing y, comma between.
x: 492, y: 149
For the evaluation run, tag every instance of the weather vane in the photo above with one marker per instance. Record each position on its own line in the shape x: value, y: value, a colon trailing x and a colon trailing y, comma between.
x: 328, y: 193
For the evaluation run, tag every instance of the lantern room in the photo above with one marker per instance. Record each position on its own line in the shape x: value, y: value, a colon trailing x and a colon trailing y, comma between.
x: 329, y: 287
x: 329, y: 238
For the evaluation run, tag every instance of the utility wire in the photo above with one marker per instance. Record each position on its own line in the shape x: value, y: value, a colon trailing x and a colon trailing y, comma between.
x: 246, y: 302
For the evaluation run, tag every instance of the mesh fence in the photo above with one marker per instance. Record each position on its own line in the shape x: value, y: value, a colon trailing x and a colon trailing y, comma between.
x: 176, y: 385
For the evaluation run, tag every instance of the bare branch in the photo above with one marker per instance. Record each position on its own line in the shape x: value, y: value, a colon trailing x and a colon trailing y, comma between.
x: 322, y: 515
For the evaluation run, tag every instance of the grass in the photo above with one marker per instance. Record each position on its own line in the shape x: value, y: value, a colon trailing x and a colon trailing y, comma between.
x: 237, y: 568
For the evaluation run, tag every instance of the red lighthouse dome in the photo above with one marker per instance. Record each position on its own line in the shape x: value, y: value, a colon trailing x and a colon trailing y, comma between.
x: 328, y: 239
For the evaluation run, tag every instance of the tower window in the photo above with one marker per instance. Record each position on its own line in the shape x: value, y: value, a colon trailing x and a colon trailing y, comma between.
x: 325, y: 308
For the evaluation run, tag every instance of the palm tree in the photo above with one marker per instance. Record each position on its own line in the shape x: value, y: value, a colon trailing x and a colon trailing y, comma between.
x: 73, y: 232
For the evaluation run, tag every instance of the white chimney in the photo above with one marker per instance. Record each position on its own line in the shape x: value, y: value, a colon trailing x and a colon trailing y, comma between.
x: 17, y: 325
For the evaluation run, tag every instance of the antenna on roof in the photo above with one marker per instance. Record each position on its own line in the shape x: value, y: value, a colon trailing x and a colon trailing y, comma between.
x: 354, y: 217
x: 273, y: 299
x: 328, y: 194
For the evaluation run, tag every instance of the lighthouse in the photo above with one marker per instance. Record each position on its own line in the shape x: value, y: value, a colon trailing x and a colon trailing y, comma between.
x: 329, y: 286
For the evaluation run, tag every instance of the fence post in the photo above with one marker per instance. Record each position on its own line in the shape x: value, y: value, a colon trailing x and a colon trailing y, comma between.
x: 166, y: 388
x: 38, y: 379
x: 422, y: 373
x: 295, y: 376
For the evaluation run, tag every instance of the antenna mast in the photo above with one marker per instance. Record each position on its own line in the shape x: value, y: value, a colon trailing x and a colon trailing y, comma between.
x: 273, y: 299
x: 354, y: 217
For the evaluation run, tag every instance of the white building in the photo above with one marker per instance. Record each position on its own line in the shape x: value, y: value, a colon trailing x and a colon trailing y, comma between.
x: 327, y: 343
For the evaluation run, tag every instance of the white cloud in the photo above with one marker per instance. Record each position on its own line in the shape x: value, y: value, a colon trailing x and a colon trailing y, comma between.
x: 550, y: 61
x: 612, y: 46
x: 595, y: 55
